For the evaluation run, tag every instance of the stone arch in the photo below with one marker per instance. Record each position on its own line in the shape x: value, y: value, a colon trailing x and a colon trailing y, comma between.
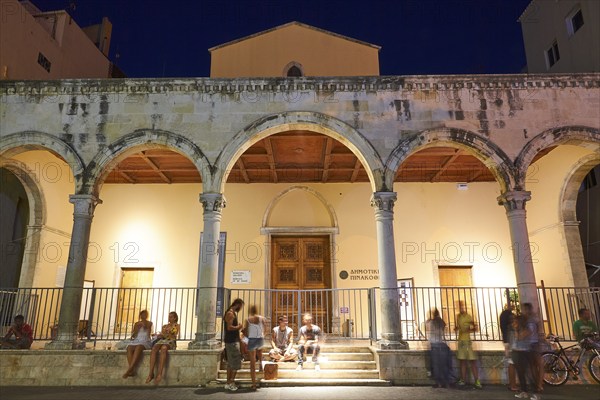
x: 29, y: 140
x: 568, y: 216
x: 37, y: 218
x: 483, y: 149
x: 577, y: 135
x: 112, y: 154
x: 306, y: 120
x: 267, y: 215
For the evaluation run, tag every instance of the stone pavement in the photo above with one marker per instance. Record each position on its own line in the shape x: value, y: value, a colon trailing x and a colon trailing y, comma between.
x: 579, y: 392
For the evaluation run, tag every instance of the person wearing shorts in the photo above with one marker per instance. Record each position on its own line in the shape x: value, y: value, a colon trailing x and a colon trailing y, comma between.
x: 464, y: 351
x: 254, y: 331
x: 232, y: 343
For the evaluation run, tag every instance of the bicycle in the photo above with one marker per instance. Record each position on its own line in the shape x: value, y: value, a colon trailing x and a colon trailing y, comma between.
x: 557, y: 364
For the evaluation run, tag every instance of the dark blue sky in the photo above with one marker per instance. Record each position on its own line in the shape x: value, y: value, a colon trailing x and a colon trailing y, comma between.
x: 171, y: 38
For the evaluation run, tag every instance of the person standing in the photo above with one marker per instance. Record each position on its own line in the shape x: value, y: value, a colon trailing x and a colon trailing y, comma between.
x: 506, y: 328
x: 140, y: 341
x: 232, y: 343
x: 464, y: 353
x: 282, y: 340
x: 523, y: 357
x: 253, y: 330
x: 440, y: 352
x: 309, y: 339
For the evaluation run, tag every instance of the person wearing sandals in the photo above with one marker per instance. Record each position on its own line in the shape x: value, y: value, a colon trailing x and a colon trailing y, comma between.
x: 167, y: 340
x: 254, y: 331
x: 140, y: 341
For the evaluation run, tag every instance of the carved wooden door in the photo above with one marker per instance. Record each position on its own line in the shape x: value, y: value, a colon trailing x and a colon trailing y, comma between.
x: 301, y: 269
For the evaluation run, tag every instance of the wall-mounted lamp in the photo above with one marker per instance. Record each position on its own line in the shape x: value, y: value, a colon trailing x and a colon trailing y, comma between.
x: 462, y: 186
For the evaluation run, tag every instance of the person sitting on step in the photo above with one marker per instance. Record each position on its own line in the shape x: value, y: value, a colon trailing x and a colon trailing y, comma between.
x: 309, y: 339
x: 282, y: 340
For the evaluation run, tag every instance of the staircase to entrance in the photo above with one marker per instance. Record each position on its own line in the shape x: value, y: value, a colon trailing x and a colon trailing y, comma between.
x: 340, y: 365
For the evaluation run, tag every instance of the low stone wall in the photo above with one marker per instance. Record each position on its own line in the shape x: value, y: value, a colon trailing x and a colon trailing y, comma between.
x: 102, y: 368
x: 410, y: 367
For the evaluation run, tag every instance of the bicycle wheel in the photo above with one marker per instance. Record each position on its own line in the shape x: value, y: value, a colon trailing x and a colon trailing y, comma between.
x: 555, y: 369
x: 594, y: 367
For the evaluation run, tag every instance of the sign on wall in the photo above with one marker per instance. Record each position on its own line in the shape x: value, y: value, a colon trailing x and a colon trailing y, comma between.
x: 405, y: 299
x: 241, y: 277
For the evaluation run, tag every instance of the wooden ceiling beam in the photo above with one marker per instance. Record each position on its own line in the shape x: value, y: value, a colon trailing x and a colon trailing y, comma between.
x: 326, y: 157
x: 240, y: 164
x: 127, y: 177
x: 445, y: 166
x: 153, y: 165
x: 355, y: 170
x: 269, y: 148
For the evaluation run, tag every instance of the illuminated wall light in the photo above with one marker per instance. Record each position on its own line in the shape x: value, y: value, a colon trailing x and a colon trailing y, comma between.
x: 462, y: 186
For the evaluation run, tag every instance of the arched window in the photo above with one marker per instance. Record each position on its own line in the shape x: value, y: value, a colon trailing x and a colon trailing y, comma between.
x: 294, y: 71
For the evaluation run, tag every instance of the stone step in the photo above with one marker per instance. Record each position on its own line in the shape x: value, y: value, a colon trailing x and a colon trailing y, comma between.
x: 245, y: 383
x: 333, y: 348
x: 329, y: 364
x: 309, y: 373
x: 349, y: 356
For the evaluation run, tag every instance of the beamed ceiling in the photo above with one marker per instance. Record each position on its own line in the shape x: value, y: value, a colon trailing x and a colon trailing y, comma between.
x: 302, y: 156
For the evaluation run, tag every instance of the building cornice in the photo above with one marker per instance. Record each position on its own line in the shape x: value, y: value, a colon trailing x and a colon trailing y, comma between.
x: 142, y: 86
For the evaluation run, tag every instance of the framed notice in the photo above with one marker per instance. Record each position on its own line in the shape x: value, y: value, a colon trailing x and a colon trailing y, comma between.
x: 405, y: 299
x: 241, y: 277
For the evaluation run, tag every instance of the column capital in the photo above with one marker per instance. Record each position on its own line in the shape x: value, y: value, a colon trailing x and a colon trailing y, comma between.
x: 383, y: 201
x: 214, y: 202
x: 514, y: 200
x: 84, y: 204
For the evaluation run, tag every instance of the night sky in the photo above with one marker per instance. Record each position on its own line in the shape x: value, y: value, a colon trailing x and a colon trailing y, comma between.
x: 171, y: 38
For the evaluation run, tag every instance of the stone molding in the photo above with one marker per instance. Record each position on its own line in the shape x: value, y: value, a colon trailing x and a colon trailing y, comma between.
x: 383, y: 201
x: 212, y: 202
x: 334, y: 84
x: 514, y: 200
x: 84, y: 204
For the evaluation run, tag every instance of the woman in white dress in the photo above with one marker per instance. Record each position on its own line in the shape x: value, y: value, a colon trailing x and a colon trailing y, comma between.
x: 140, y: 341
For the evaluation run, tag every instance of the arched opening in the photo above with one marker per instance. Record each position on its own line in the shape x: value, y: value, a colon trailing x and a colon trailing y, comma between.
x: 588, y: 213
x: 449, y: 229
x: 146, y: 233
x: 14, y: 214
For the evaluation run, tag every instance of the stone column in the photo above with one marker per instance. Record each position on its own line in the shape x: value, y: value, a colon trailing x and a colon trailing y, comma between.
x: 383, y: 203
x: 70, y: 305
x: 576, y: 256
x: 206, y: 300
x: 514, y: 203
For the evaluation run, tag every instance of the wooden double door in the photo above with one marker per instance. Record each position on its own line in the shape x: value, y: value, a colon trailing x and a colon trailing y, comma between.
x: 300, y: 271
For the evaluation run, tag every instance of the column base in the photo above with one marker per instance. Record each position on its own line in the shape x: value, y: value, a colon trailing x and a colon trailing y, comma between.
x: 392, y: 345
x: 392, y: 341
x: 205, y: 341
x: 65, y: 345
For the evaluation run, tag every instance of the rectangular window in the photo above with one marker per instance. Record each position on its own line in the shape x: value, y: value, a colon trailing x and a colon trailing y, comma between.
x: 44, y: 62
x: 574, y: 21
x: 552, y: 55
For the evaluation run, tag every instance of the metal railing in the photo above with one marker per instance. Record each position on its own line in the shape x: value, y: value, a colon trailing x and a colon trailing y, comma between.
x: 110, y: 313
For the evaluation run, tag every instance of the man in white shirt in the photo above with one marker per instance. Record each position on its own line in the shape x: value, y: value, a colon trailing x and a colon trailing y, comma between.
x: 282, y: 340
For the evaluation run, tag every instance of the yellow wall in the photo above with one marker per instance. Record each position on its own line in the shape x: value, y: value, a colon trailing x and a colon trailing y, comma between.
x: 55, y: 181
x: 320, y: 54
x: 159, y: 226
x: 545, y: 180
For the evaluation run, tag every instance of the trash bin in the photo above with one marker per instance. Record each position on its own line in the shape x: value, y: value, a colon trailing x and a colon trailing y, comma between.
x: 348, y: 328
